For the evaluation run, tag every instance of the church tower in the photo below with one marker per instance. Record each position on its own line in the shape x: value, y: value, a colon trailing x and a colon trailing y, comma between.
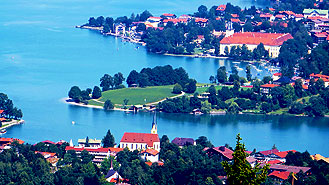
x: 154, y: 129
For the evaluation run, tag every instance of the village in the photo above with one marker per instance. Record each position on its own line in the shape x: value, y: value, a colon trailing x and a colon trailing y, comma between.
x: 148, y: 148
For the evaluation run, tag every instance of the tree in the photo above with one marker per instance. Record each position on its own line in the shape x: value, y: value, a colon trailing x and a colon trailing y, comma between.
x: 97, y: 93
x: 143, y: 80
x: 203, y: 141
x: 233, y: 108
x: 133, y: 77
x: 248, y: 72
x: 125, y: 102
x: 265, y: 107
x: 221, y: 75
x: 190, y: 48
x: 299, y: 88
x: 190, y: 86
x: 106, y: 82
x: 108, y: 105
x: 240, y: 171
x: 118, y: 79
x: 145, y: 15
x: 267, y: 79
x: 212, y: 79
x: 108, y: 140
x: 75, y: 93
x: 86, y: 157
x: 106, y: 165
x: 316, y: 107
x: 177, y: 89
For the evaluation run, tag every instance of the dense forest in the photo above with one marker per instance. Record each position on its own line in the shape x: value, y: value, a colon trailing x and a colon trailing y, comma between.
x: 9, y: 110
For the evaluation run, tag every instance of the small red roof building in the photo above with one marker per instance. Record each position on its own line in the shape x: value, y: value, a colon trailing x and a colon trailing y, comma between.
x: 280, y: 175
x: 269, y: 85
x: 268, y: 152
x: 235, y: 15
x: 283, y: 154
x: 150, y: 151
x: 221, y: 7
x: 2, y: 119
x: 277, y: 74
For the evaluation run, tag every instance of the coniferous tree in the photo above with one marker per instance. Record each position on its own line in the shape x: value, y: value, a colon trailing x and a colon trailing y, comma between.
x: 240, y: 171
x: 108, y: 140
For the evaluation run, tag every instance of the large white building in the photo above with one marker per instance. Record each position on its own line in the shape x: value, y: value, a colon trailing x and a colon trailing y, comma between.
x: 141, y: 141
x: 272, y: 41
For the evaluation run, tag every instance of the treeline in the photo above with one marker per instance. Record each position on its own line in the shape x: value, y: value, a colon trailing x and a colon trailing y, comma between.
x: 9, y: 110
x: 161, y: 75
x: 242, y: 53
x: 108, y: 22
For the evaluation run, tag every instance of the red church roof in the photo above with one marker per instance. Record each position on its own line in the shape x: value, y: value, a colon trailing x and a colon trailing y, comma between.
x: 255, y: 38
x: 130, y: 137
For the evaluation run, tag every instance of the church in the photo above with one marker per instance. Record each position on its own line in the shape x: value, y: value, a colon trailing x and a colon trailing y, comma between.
x: 142, y: 141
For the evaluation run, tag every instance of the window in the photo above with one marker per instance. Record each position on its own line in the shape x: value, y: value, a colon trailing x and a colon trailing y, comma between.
x: 132, y: 146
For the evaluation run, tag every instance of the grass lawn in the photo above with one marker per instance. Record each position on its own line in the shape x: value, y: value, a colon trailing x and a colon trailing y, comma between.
x: 93, y: 102
x: 280, y: 111
x: 137, y: 96
x: 201, y: 90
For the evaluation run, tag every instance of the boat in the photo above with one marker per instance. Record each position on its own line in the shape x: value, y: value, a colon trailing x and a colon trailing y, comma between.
x: 73, y: 122
x: 3, y: 131
x: 236, y: 62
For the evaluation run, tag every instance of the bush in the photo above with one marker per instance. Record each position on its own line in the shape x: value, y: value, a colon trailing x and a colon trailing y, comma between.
x: 233, y: 108
x: 177, y: 89
x: 108, y: 105
x: 297, y: 108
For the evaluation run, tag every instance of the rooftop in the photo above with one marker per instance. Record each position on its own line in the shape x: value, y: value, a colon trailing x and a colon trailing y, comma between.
x: 150, y: 151
x: 130, y: 137
x: 255, y: 38
x: 280, y: 175
x: 269, y: 85
x: 180, y: 141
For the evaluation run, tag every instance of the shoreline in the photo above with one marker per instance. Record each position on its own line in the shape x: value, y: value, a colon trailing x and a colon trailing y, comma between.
x: 12, y: 123
x: 64, y: 100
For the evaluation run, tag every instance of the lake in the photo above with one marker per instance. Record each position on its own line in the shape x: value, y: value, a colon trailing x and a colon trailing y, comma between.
x: 42, y: 55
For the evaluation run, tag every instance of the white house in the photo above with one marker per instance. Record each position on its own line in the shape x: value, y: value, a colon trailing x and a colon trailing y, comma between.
x: 150, y: 155
x: 315, y: 13
x: 94, y: 143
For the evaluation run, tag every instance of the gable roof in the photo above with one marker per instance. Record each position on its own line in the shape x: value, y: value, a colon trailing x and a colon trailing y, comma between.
x: 255, y: 38
x: 269, y: 85
x: 268, y: 152
x: 294, y: 169
x: 280, y: 175
x: 224, y: 151
x: 221, y: 7
x: 283, y: 154
x: 319, y: 11
x: 149, y: 139
x: 48, y: 142
x: 150, y: 151
x: 180, y: 141
x: 110, y: 173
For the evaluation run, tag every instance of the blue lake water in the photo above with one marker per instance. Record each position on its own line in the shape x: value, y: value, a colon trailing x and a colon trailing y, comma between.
x: 42, y: 55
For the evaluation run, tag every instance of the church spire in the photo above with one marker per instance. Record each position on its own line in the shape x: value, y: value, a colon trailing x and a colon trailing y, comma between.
x: 154, y: 129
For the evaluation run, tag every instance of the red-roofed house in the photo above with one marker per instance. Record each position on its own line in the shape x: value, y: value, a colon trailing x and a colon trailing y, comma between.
x: 174, y: 21
x: 224, y: 153
x: 279, y: 176
x: 202, y: 22
x: 169, y: 15
x: 266, y: 153
x: 282, y: 154
x: 47, y: 142
x: 276, y: 76
x: 325, y: 78
x: 8, y: 141
x: 1, y: 111
x: 267, y: 16
x: 272, y: 41
x: 150, y: 155
x: 266, y: 88
x: 221, y: 9
x: 47, y: 155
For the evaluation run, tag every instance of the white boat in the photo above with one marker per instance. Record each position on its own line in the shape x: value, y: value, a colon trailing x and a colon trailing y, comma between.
x: 73, y: 122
